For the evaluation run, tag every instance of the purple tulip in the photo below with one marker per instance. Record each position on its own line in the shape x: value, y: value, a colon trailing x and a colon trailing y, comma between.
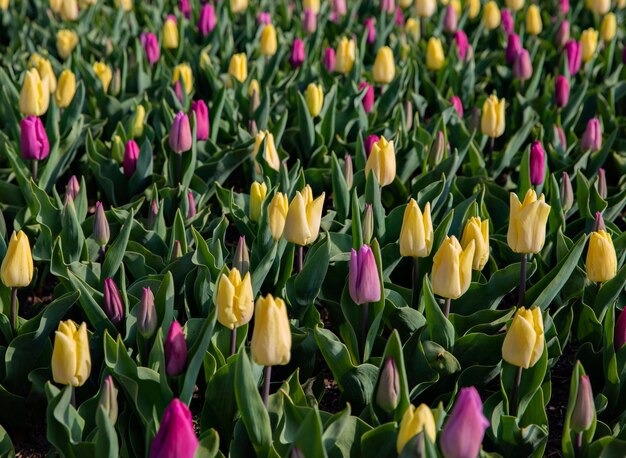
x: 462, y: 434
x: 508, y: 23
x: 388, y: 6
x: 561, y: 91
x: 339, y: 9
x: 602, y: 183
x: 72, y: 188
x: 573, y: 56
x: 202, y: 119
x: 185, y: 8
x: 522, y: 67
x: 562, y: 34
x: 564, y: 6
x: 620, y: 331
x: 191, y: 204
x: 176, y: 437
x: 329, y: 60
x: 592, y: 138
x: 537, y: 163
x: 147, y: 319
x: 33, y: 139
x: 370, y: 27
x: 207, y: 20
x: 298, y: 53
x: 561, y: 136
x: 566, y: 192
x: 153, y: 213
x: 450, y: 19
x: 112, y: 304
x: 513, y: 47
x: 180, y: 134
x: 178, y: 91
x: 310, y: 20
x: 369, y: 142
x: 101, y: 233
x: 131, y: 156
x: 151, y: 47
x: 598, y: 223
x: 364, y: 283
x: 458, y: 105
x: 462, y: 44
x: 368, y: 100
x: 175, y: 350
x: 584, y: 408
x: 399, y: 17
x: 264, y: 18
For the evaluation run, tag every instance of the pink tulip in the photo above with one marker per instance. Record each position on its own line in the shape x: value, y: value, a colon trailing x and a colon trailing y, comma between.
x: 364, y: 282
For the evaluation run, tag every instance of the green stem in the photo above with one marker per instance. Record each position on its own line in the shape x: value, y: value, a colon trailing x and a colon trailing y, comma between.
x: 233, y: 341
x: 515, y: 393
x: 14, y: 315
x: 522, y: 282
x: 446, y: 307
x: 416, y: 285
x: 267, y: 375
x: 364, y: 328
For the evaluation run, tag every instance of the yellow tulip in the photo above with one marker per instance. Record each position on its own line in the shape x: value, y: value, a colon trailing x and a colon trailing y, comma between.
x: 345, y: 55
x: 69, y: 10
x: 599, y: 6
x: 492, y: 121
x: 277, y: 209
x: 55, y: 6
x: 254, y: 87
x: 271, y: 154
x: 414, y: 421
x: 170, y: 34
x: 44, y: 68
x: 126, y: 5
x: 524, y: 340
x: 514, y: 5
x: 104, y: 74
x: 238, y: 6
x: 384, y: 66
x: 35, y: 94
x: 271, y: 338
x: 473, y: 7
x: 382, y: 161
x: 416, y: 234
x: 258, y: 191
x: 608, y: 27
x: 425, y: 8
x: 138, y: 121
x: 601, y: 260
x: 620, y: 4
x: 478, y: 232
x: 235, y: 302
x: 314, y: 98
x: 66, y: 42
x: 17, y: 265
x: 183, y: 73
x: 412, y: 28
x: 313, y: 5
x: 238, y: 67
x: 491, y: 15
x: 405, y: 3
x: 302, y: 225
x: 527, y: 223
x: 534, y: 25
x: 456, y: 5
x: 452, y: 268
x: 65, y: 89
x: 71, y: 360
x: 4, y: 5
x: 434, y: 54
x: 269, y: 43
x: 589, y: 43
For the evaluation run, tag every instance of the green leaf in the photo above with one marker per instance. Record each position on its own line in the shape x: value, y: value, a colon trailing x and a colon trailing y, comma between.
x: 439, y: 327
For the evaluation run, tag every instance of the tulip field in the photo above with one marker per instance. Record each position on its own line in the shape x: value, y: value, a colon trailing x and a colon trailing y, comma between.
x: 312, y: 228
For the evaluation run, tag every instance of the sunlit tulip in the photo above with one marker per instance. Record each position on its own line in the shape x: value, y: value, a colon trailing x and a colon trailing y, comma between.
x: 71, y: 360
x: 258, y: 191
x: 314, y: 97
x: 477, y: 231
x: 384, y: 66
x: 303, y: 220
x: 382, y: 162
x: 414, y: 421
x: 234, y: 300
x: 524, y: 341
x: 435, y: 57
x: 527, y: 223
x: 416, y: 233
x: 493, y: 119
x: 345, y: 55
x: 35, y: 94
x: 277, y: 210
x: 452, y: 268
x: 271, y: 338
x: 271, y: 154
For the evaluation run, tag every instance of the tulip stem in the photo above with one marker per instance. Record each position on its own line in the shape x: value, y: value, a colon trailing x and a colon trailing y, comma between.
x: 515, y: 393
x: 490, y: 146
x: 300, y: 257
x: 267, y: 375
x: 446, y: 307
x: 416, y: 279
x: 578, y: 444
x: 522, y: 282
x: 180, y: 168
x: 233, y: 341
x: 35, y: 169
x: 73, y: 400
x: 101, y: 254
x: 364, y: 321
x: 14, y: 309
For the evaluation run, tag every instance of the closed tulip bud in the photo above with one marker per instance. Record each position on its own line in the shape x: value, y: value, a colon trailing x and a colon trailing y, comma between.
x: 17, y: 266
x: 314, y: 98
x: 513, y: 48
x: 4, y: 5
x: 370, y: 141
x: 271, y: 154
x: 561, y: 91
x: 131, y: 156
x: 473, y: 7
x: 601, y: 184
x: 399, y: 17
x: 523, y: 67
x: 183, y: 73
x: 387, y: 6
x: 238, y: 67
x: 364, y: 282
x: 345, y: 55
x: 573, y: 54
x: 104, y: 74
x: 601, y: 262
x: 34, y: 143
x: 608, y: 27
x: 384, y: 66
x: 491, y: 15
x: 348, y: 172
x: 508, y: 23
x: 147, y: 319
x: 537, y: 163
x: 116, y: 83
x: 138, y: 121
x: 435, y: 57
x: 176, y: 436
x: 178, y: 92
x: 624, y: 55
x: 264, y: 18
x: 450, y: 19
x: 388, y: 392
x: 368, y: 98
x: 277, y: 210
x: 66, y: 42
x: 462, y: 44
x: 620, y: 331
x: 425, y: 8
x: 412, y: 28
x: 202, y: 119
x: 108, y: 399
x: 562, y: 34
x: 313, y: 5
x: 117, y: 149
x: 269, y: 43
x: 69, y: 10
x: 437, y: 150
x: 462, y: 435
x: 339, y: 9
x: 153, y: 213
x: 561, y: 137
x: 452, y: 268
x: 252, y: 128
x: 564, y: 6
x: 524, y: 341
x: 329, y: 60
x: 72, y: 188
x: 527, y: 223
x: 71, y: 360
x: 66, y: 89
x: 177, y: 251
x: 191, y: 205
x: 175, y: 350
x: 302, y: 224
x: 566, y: 192
x: 598, y: 224
x: 241, y: 259
x: 370, y: 29
x: 234, y: 299
x: 310, y: 20
x: 592, y: 138
x: 598, y: 6
x: 170, y: 33
x: 151, y: 47
x: 584, y: 407
x: 534, y: 25
x: 492, y: 122
x: 112, y: 304
x: 238, y: 6
x: 298, y: 54
x: 478, y: 232
x: 180, y: 134
x: 207, y: 20
x: 258, y: 191
x: 368, y: 224
x: 382, y: 162
x: 185, y: 8
x: 588, y: 44
x: 35, y: 94
x: 408, y: 114
x: 253, y: 87
x: 415, y: 421
x: 514, y: 5
x: 458, y: 105
x: 101, y: 233
x: 271, y: 338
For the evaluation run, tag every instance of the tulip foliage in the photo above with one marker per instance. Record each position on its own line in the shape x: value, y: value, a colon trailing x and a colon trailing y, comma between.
x: 312, y: 228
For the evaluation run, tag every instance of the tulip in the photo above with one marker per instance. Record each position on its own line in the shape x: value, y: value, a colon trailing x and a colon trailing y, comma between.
x: 478, y: 232
x: 268, y: 41
x: 345, y: 55
x: 473, y: 7
x: 207, y: 20
x: 534, y: 25
x: 170, y: 33
x: 452, y: 269
x: 370, y: 141
x: 388, y: 6
x: 508, y: 23
x: 112, y: 305
x: 561, y: 137
x: 238, y: 67
x: 180, y: 134
x: 513, y: 48
x: 33, y: 139
x: 562, y: 34
x: 302, y: 223
x: 131, y: 156
x: 72, y: 188
x: 588, y: 44
x: 182, y: 72
x: 69, y: 10
x: 298, y: 54
x: 368, y: 99
x: 258, y: 191
x: 384, y: 66
x: 463, y: 432
x: 101, y: 233
x: 601, y: 183
x: 191, y: 205
x: 601, y: 262
x: 415, y: 421
x: 104, y: 74
x: 527, y: 223
x: 66, y: 89
x: 367, y: 223
x: 127, y: 5
x: 584, y: 410
x: 17, y: 266
x: 412, y: 28
x: 364, y: 282
x: 35, y: 94
x: 185, y: 8
x: 491, y: 15
x: 435, y: 57
x: 388, y: 392
x: 66, y: 42
x: 458, y: 105
x: 492, y: 122
x: 202, y: 119
x: 116, y: 83
x: 537, y: 163
x: 598, y: 6
x: 450, y: 19
x: 515, y: 5
x: 370, y: 27
x: 151, y: 47
x: 522, y: 67
x: 147, y: 318
x: 348, y: 172
x: 462, y: 44
x: 108, y: 399
x: 238, y: 6
x: 175, y: 350
x: 71, y: 360
x: 271, y: 338
x: 138, y: 121
x: 416, y: 234
x: 620, y: 331
x: 4, y: 5
x: 566, y: 192
x: 437, y: 149
x: 264, y: 18
x: 564, y: 6
x: 310, y: 20
x: 425, y: 8
x: 176, y: 436
x: 253, y: 87
x: 592, y: 138
x: 241, y: 259
x: 270, y: 154
x: 608, y: 27
x: 329, y: 60
x: 524, y: 341
x: 313, y: 5
x: 234, y: 300
x: 277, y: 209
x: 314, y: 98
x: 339, y: 10
x: 574, y: 56
x: 382, y: 162
x: 561, y: 92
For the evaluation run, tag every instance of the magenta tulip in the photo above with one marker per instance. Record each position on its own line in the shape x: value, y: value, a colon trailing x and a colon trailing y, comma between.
x: 620, y: 331
x: 180, y: 134
x: 202, y: 119
x: 562, y: 34
x: 368, y: 99
x: 329, y: 60
x: 264, y: 18
x: 369, y: 143
x: 364, y: 282
x: 33, y: 139
x: 564, y: 6
x: 176, y: 437
x: 462, y: 44
x: 508, y: 23
x: 72, y: 188
x: 310, y: 20
x: 185, y: 8
x: 462, y: 434
x: 522, y: 67
x: 131, y: 156
x: 207, y: 20
x: 458, y: 105
x: 561, y: 91
x: 573, y: 56
x: 112, y: 303
x: 592, y: 138
x: 370, y: 28
x: 191, y: 205
x: 537, y: 163
x: 298, y: 54
x: 175, y: 350
x: 151, y: 47
x: 513, y: 47
x: 450, y: 19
